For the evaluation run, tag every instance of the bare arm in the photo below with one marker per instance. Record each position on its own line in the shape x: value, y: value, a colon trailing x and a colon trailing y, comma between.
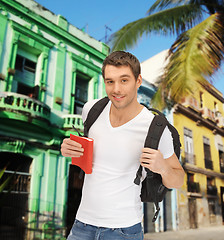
x: 70, y: 148
x: 170, y: 169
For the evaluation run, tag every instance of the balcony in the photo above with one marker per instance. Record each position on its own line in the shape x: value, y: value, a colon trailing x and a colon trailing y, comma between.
x: 193, y: 187
x: 73, y: 119
x: 205, y: 120
x: 189, y: 158
x: 220, y: 121
x: 14, y: 102
x: 20, y: 180
x: 208, y: 114
x: 208, y: 164
x: 211, y: 190
x: 191, y: 102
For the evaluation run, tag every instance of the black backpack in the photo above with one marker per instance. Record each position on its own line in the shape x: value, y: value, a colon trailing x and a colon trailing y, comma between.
x: 152, y: 189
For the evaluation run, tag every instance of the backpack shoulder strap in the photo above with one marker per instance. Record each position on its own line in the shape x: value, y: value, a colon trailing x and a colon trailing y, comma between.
x: 174, y: 133
x: 155, y: 131
x: 176, y: 139
x: 155, y: 110
x: 94, y: 113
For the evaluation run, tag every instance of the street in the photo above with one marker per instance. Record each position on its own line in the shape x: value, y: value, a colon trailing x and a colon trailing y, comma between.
x: 210, y: 233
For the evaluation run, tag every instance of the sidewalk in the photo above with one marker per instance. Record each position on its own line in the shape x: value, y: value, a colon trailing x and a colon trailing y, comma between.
x: 210, y: 233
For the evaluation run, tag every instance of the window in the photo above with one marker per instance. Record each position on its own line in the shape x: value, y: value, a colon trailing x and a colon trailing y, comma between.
x: 207, y: 154
x: 192, y: 186
x: 25, y: 77
x: 23, y: 63
x: 216, y: 107
x: 81, y: 92
x: 190, y: 177
x: 211, y: 187
x: 201, y: 99
x: 221, y: 157
x: 189, y: 147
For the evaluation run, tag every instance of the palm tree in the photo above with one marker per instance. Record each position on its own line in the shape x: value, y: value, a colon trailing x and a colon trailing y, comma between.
x: 3, y: 184
x: 197, y: 52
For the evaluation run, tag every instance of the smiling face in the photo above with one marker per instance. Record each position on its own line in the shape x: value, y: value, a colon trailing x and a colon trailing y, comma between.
x: 121, y: 86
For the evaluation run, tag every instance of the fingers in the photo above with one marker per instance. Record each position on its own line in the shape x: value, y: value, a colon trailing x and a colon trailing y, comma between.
x: 70, y: 148
x: 148, y: 155
x: 145, y: 165
x: 71, y: 153
x: 149, y: 150
x: 152, y: 159
x: 68, y: 141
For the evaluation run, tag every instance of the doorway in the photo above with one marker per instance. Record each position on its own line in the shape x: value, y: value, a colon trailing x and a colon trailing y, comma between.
x: 74, y: 195
x: 222, y: 203
x: 192, y: 206
x: 14, y: 197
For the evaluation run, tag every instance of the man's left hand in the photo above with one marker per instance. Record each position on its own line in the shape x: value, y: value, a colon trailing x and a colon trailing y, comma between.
x: 153, y: 160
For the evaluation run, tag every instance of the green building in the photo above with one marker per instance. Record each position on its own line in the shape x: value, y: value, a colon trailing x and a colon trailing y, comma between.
x: 48, y: 70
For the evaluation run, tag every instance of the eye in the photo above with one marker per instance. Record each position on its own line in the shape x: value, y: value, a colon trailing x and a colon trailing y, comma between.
x: 124, y: 80
x: 109, y: 82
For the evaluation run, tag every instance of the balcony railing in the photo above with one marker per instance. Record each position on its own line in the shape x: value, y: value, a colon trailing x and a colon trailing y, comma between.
x: 73, y: 119
x: 208, y: 114
x: 20, y: 180
x: 189, y: 158
x: 22, y: 103
x: 211, y: 190
x: 208, y: 164
x: 193, y: 187
x: 191, y: 102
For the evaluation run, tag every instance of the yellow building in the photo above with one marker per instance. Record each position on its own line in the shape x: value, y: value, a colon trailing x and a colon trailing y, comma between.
x: 200, y: 122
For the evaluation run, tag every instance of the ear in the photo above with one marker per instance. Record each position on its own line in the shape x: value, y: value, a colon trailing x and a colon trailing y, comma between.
x: 139, y: 80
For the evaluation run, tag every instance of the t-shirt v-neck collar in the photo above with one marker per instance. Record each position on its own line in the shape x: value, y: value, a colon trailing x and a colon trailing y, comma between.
x: 133, y: 120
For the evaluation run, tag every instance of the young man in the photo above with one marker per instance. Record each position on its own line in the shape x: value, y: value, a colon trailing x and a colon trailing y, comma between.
x: 110, y: 208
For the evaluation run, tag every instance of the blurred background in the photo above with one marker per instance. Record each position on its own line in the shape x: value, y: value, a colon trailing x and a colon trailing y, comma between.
x: 51, y: 53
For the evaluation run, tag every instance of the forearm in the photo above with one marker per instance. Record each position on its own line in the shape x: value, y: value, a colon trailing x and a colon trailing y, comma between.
x: 170, y: 169
x: 172, y: 177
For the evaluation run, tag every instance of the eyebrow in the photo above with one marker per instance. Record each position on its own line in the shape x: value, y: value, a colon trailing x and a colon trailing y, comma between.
x: 124, y: 75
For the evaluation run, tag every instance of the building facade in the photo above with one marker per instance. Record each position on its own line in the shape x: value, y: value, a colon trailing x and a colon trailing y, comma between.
x: 48, y: 70
x: 200, y: 122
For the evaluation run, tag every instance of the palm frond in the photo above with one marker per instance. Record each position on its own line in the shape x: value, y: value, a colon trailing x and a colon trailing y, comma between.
x: 2, y: 172
x: 5, y: 183
x: 165, y: 22
x: 163, y: 4
x: 158, y: 100
x: 194, y: 57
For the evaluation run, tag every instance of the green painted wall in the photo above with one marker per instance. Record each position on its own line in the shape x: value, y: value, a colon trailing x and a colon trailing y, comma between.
x: 36, y: 127
x: 3, y: 20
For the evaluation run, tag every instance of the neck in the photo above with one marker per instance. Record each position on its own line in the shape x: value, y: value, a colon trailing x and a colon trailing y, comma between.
x: 120, y: 116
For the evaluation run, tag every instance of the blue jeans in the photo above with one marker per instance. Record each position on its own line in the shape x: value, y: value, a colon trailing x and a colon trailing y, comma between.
x: 82, y: 231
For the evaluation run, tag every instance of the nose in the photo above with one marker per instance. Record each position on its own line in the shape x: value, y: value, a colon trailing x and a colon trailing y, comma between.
x: 117, y: 87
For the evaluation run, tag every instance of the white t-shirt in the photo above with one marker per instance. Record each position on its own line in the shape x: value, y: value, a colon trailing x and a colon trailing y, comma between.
x: 110, y: 198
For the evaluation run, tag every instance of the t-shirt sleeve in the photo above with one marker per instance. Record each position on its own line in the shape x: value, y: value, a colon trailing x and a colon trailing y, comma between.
x: 166, y: 144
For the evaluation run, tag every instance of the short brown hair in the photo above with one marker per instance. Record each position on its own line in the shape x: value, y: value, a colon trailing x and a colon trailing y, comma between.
x: 122, y: 58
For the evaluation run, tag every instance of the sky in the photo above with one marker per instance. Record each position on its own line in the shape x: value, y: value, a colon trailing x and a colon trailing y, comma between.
x: 95, y: 15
